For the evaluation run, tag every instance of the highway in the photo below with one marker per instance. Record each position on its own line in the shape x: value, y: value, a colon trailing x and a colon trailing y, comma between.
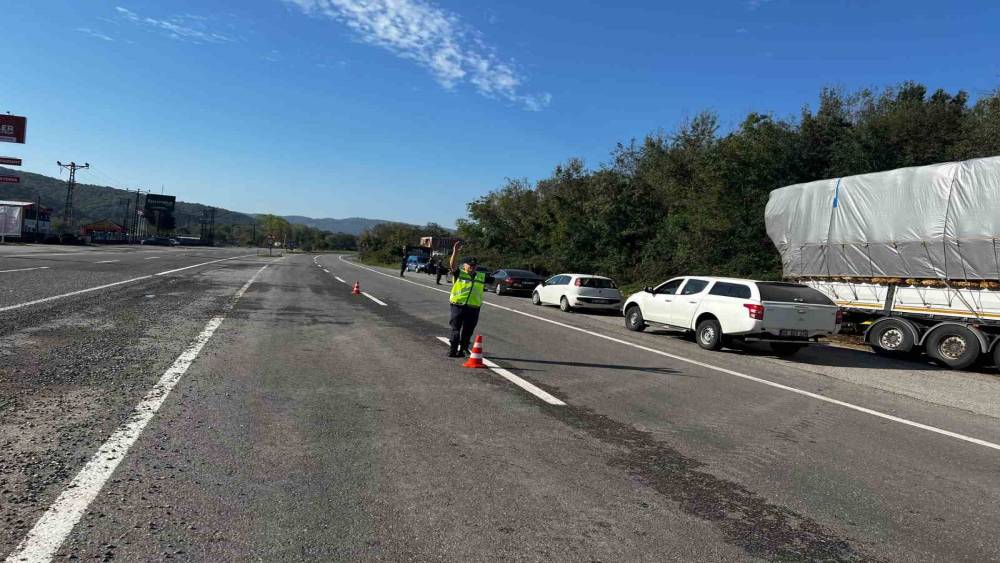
x: 214, y: 405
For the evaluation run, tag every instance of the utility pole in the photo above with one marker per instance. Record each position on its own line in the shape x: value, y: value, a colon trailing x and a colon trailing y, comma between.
x: 124, y: 201
x: 70, y: 185
x: 135, y: 218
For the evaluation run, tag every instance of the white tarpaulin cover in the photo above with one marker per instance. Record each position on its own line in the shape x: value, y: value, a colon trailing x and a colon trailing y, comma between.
x: 940, y: 221
x: 10, y: 220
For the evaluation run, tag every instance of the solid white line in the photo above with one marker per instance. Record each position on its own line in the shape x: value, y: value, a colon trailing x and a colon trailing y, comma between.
x: 523, y: 384
x: 107, y: 285
x: 338, y: 278
x: 726, y: 371
x: 369, y: 296
x: 107, y: 261
x: 26, y: 269
x: 51, y: 529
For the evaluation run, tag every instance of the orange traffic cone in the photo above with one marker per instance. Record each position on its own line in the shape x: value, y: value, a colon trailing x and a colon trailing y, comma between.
x: 357, y: 289
x: 476, y: 357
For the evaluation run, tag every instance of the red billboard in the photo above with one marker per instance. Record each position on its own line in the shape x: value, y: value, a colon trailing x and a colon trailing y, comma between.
x: 10, y: 161
x: 10, y: 180
x: 12, y: 128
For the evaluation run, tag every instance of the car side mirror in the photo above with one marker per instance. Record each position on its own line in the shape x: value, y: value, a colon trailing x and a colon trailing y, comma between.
x: 542, y: 283
x: 648, y: 289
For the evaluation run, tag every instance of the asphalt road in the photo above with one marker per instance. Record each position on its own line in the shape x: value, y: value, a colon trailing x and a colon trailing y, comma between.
x: 300, y: 422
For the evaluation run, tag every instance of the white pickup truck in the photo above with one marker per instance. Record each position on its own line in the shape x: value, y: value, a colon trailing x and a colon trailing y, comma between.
x: 787, y: 316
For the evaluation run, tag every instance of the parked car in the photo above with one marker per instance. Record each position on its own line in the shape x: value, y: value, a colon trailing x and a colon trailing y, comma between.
x: 158, y: 241
x: 515, y: 281
x: 417, y: 263
x: 578, y: 291
x: 787, y: 316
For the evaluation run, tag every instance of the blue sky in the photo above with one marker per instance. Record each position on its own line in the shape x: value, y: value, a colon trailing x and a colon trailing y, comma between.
x: 409, y: 109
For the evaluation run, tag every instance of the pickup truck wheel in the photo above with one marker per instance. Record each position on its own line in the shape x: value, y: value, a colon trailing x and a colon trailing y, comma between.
x: 891, y: 337
x: 564, y: 305
x: 535, y: 299
x: 953, y: 345
x: 785, y: 349
x: 709, y: 334
x: 634, y: 320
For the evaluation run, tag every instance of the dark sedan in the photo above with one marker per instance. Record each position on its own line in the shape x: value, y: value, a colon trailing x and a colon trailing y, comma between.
x: 515, y: 281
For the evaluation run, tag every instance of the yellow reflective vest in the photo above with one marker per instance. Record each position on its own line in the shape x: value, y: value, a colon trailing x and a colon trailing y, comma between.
x: 468, y: 290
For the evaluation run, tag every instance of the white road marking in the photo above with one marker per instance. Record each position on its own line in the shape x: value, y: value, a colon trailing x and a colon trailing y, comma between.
x: 107, y: 261
x: 41, y: 254
x: 26, y: 269
x: 151, y: 258
x: 726, y: 371
x: 523, y: 384
x: 325, y: 270
x: 338, y: 278
x: 107, y: 285
x: 369, y: 296
x: 58, y: 521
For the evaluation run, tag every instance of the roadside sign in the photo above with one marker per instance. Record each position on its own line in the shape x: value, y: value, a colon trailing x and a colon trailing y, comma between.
x: 164, y: 203
x: 10, y: 180
x: 10, y: 161
x: 12, y: 128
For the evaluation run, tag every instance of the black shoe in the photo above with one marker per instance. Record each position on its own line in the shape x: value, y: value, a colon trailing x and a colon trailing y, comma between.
x: 464, y: 351
x: 454, y: 353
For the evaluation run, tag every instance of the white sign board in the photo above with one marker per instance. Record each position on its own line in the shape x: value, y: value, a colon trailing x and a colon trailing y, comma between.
x: 11, y: 217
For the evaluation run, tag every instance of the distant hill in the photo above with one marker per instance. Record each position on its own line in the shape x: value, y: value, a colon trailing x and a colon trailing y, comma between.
x: 350, y: 225
x: 93, y: 203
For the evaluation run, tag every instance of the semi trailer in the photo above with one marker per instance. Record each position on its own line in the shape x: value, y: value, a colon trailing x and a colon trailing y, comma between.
x: 912, y: 255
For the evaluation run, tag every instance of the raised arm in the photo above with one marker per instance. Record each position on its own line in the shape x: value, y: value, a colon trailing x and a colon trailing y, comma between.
x: 454, y: 255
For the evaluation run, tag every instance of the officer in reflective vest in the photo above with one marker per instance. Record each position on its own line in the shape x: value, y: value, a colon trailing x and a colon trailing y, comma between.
x: 466, y: 299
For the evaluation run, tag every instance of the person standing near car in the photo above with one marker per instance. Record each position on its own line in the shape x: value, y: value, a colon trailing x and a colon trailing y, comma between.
x: 466, y: 299
x: 402, y: 267
x: 438, y: 268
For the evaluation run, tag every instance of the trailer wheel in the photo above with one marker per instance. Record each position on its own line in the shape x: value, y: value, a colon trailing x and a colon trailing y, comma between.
x: 953, y: 345
x: 891, y: 337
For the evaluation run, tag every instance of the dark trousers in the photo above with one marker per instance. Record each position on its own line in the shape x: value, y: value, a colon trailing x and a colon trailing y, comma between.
x: 463, y: 324
x: 402, y: 267
x: 440, y: 272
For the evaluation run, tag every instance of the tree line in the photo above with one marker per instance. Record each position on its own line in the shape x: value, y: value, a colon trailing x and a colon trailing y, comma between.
x: 692, y: 201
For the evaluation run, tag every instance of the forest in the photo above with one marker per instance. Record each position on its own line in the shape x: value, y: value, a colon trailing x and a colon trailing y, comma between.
x: 692, y: 201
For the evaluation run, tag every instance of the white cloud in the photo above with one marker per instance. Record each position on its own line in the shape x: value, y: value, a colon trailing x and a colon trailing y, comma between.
x: 183, y: 27
x: 94, y: 33
x: 274, y: 56
x: 754, y: 4
x: 435, y: 39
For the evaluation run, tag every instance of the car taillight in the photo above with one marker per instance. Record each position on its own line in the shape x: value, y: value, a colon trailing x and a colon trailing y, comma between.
x: 756, y: 311
x: 578, y: 282
x: 508, y: 281
x: 840, y: 316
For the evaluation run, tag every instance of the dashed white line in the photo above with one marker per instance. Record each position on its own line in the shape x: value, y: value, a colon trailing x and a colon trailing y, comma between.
x: 107, y: 261
x: 151, y: 258
x: 818, y: 397
x: 369, y: 296
x: 338, y: 278
x: 26, y: 269
x: 325, y: 270
x: 523, y: 384
x: 113, y: 284
x: 58, y: 521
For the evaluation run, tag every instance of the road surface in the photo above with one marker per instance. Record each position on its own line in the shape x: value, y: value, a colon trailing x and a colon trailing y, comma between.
x: 240, y: 407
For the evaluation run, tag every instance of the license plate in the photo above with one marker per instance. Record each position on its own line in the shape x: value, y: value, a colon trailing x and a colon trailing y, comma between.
x: 601, y: 301
x: 784, y: 332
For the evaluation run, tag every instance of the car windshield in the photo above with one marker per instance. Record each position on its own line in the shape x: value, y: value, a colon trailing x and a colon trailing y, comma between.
x: 791, y: 293
x: 597, y: 283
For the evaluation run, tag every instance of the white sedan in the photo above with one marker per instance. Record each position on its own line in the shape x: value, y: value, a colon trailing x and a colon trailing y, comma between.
x: 578, y: 291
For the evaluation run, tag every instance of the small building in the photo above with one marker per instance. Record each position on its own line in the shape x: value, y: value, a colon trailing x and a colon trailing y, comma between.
x: 25, y: 220
x: 105, y: 230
